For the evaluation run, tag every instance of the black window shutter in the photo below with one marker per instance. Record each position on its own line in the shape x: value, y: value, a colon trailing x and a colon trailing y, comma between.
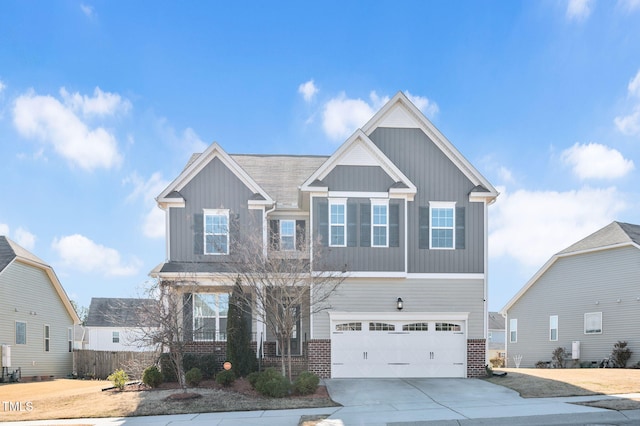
x: 198, y: 233
x: 423, y: 232
x: 394, y: 225
x: 365, y: 225
x: 352, y: 224
x: 322, y: 213
x: 274, y: 234
x: 187, y: 316
x: 301, y: 235
x: 460, y: 228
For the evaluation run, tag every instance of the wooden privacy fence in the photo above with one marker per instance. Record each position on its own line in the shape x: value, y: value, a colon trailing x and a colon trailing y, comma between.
x: 100, y: 364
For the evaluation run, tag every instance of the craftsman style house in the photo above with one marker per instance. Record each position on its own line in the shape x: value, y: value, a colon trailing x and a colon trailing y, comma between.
x: 397, y: 209
x: 37, y: 320
x: 584, y: 299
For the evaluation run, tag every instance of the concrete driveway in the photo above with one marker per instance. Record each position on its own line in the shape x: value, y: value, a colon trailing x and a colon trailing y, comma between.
x: 397, y: 401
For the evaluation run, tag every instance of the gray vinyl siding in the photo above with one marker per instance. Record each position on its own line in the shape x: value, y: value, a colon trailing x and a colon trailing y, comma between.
x: 359, y: 258
x: 437, y: 179
x: 358, y: 178
x: 570, y: 288
x: 24, y: 290
x: 215, y: 187
x: 419, y: 295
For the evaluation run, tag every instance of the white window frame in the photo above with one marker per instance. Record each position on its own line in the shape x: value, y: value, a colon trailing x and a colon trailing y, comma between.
x: 553, y: 326
x: 592, y: 315
x: 219, y: 336
x: 215, y: 212
x: 449, y: 205
x: 70, y: 338
x: 377, y: 203
x: 115, y: 336
x: 16, y: 332
x: 513, y: 330
x: 46, y: 333
x: 338, y: 202
x: 292, y: 236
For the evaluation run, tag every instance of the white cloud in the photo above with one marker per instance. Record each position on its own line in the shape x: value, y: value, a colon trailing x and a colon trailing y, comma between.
x: 153, y: 225
x: 342, y: 116
x: 102, y: 103
x: 308, y: 90
x: 46, y: 119
x: 629, y: 124
x: 2, y: 86
x: 79, y: 252
x: 531, y: 226
x: 87, y: 10
x: 505, y: 175
x: 634, y: 85
x: 25, y: 238
x: 596, y: 161
x: 579, y: 10
x: 629, y: 5
x: 4, y: 229
x: 429, y: 108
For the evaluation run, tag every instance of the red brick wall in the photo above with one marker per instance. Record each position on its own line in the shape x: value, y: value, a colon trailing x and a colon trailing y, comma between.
x: 476, y: 357
x: 320, y: 357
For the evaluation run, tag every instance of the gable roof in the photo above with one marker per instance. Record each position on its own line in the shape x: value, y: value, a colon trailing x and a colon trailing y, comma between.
x: 119, y: 312
x: 496, y: 321
x: 12, y: 252
x: 359, y: 149
x: 401, y: 112
x: 614, y: 235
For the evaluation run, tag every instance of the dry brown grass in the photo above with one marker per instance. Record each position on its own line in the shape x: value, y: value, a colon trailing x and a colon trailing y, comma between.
x: 559, y: 382
x: 69, y: 399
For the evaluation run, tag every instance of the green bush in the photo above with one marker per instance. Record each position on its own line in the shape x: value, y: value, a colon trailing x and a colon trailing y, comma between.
x: 119, y: 378
x: 167, y: 368
x: 205, y: 363
x: 193, y: 377
x: 225, y: 377
x: 306, y: 383
x: 253, y: 378
x: 621, y: 354
x: 272, y: 383
x: 152, y: 377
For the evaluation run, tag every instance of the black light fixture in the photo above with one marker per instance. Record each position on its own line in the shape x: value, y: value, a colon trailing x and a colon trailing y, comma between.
x: 400, y: 304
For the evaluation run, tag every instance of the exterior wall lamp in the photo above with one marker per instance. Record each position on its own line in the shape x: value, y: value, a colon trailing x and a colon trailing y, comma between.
x: 399, y: 304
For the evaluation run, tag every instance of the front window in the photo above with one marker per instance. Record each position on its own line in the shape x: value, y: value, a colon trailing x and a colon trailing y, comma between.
x: 513, y: 330
x: 216, y: 232
x: 337, y: 223
x: 553, y: 328
x: 593, y: 323
x: 47, y: 338
x: 210, y: 316
x: 21, y: 333
x: 442, y: 219
x: 380, y: 228
x: 70, y: 338
x: 287, y: 235
x: 115, y: 337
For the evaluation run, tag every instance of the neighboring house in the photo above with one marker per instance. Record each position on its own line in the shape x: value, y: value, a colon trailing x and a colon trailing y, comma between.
x: 117, y: 324
x: 37, y: 317
x: 496, y: 336
x: 398, y: 209
x: 588, y: 293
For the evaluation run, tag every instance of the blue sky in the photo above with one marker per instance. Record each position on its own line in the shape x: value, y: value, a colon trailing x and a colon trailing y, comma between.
x: 102, y: 103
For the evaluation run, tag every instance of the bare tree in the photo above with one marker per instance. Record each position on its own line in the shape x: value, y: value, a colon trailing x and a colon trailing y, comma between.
x: 280, y: 285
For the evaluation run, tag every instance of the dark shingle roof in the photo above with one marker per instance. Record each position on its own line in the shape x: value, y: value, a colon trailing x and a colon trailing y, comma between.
x: 119, y: 312
x: 496, y: 321
x: 612, y: 234
x: 9, y: 250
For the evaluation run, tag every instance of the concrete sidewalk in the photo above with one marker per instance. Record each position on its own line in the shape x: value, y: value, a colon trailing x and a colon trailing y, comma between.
x: 406, y: 402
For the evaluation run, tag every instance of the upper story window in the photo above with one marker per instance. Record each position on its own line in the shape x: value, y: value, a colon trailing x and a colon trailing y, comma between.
x: 380, y: 223
x: 337, y: 223
x: 553, y: 328
x: 287, y: 235
x: 216, y: 232
x: 513, y: 330
x: 442, y: 229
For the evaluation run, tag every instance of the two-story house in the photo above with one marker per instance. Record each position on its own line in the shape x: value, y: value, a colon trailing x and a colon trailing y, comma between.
x: 396, y: 208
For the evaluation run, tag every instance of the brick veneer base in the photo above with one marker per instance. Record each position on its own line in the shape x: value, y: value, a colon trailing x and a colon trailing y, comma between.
x: 320, y: 357
x: 476, y: 357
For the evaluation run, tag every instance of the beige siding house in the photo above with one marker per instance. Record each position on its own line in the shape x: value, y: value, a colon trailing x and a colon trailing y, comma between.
x: 37, y: 319
x: 584, y: 299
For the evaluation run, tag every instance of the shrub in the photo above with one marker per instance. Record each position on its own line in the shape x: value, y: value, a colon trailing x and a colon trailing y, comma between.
x: 253, y: 378
x: 167, y: 368
x: 621, y: 354
x: 118, y: 378
x: 497, y: 362
x: 205, y: 363
x: 193, y: 377
x: 541, y: 364
x: 225, y: 377
x: 272, y: 383
x: 306, y: 383
x: 558, y: 357
x: 152, y: 377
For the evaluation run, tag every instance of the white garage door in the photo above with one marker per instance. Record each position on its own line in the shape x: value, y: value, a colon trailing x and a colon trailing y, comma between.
x: 398, y: 348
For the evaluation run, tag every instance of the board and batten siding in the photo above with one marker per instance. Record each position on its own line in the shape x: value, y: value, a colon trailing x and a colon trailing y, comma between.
x: 27, y: 295
x: 358, y: 178
x: 214, y: 187
x: 569, y: 288
x: 437, y: 178
x: 419, y: 295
